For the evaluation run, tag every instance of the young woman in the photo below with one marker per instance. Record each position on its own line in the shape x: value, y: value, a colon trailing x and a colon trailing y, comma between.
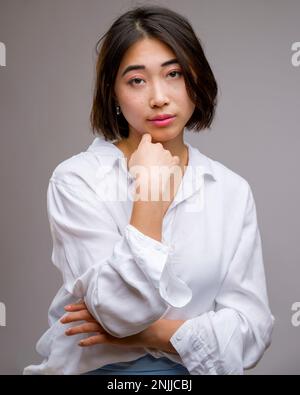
x: 169, y: 279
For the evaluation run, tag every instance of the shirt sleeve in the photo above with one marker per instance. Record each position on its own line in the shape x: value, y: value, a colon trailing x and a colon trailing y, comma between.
x: 125, y: 280
x: 233, y: 336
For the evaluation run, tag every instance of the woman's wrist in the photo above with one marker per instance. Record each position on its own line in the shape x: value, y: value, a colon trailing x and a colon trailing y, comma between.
x: 160, y: 333
x: 148, y: 218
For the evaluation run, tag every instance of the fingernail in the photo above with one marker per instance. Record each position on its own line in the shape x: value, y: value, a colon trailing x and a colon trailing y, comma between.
x: 67, y: 307
x: 81, y: 343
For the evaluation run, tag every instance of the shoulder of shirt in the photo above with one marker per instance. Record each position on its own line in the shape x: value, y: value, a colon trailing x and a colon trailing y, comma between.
x: 87, y: 168
x: 227, y: 178
x: 234, y: 189
x: 77, y: 170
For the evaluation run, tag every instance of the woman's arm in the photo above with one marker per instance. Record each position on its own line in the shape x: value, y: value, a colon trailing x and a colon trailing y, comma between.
x: 156, y: 336
x: 102, y: 263
x: 233, y: 336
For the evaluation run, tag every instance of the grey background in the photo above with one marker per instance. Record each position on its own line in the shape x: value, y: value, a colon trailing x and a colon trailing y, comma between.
x: 45, y: 99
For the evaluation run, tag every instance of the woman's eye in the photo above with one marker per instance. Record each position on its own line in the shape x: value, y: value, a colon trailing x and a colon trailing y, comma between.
x: 175, y: 71
x: 135, y: 81
x: 131, y: 82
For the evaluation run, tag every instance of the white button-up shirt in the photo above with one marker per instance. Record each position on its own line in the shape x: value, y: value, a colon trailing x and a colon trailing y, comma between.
x: 208, y: 269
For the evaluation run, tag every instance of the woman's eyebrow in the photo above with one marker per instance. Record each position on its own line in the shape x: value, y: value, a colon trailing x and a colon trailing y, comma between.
x: 142, y: 67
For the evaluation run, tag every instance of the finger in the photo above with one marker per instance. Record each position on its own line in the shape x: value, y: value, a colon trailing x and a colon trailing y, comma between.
x: 82, y: 315
x: 176, y: 159
x: 75, y: 307
x: 91, y: 341
x: 146, y: 137
x: 84, y: 328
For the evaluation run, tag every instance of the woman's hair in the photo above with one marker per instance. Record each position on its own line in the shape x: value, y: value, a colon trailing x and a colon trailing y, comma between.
x: 175, y: 31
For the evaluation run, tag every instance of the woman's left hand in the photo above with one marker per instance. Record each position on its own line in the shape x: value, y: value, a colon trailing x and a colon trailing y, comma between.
x: 79, y: 312
x: 157, y: 335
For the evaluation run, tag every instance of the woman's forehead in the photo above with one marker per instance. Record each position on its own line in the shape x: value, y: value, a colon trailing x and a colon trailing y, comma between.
x: 147, y: 47
x: 146, y: 54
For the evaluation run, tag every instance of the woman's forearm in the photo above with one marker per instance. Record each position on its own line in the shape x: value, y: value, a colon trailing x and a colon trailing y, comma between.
x: 148, y: 217
x: 156, y: 336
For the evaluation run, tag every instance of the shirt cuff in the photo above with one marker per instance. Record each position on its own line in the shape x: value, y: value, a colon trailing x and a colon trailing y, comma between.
x: 194, y: 349
x: 152, y: 257
x: 150, y: 254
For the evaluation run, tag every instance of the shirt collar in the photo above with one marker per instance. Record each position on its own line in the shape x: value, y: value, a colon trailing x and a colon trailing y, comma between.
x: 189, y: 189
x: 196, y: 158
x: 110, y: 154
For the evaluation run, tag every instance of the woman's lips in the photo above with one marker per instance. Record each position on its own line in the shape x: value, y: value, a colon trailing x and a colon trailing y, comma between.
x: 162, y: 122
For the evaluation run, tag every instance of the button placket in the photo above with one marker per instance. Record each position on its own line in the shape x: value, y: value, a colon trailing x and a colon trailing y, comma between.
x: 168, y: 230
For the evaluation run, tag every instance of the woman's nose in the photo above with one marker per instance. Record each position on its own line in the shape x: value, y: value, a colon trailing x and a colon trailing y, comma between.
x: 158, y: 95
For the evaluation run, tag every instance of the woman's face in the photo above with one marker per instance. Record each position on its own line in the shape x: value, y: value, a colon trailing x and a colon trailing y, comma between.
x: 153, y: 90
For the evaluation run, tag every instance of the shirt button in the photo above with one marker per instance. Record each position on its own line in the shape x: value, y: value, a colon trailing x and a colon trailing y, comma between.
x: 178, y: 337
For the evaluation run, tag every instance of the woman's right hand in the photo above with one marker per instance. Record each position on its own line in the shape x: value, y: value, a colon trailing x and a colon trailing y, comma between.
x: 152, y: 166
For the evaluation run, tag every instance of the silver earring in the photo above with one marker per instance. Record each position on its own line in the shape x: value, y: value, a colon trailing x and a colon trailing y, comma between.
x: 118, y: 110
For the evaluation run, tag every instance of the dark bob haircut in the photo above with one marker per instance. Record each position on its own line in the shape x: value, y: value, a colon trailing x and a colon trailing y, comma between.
x: 175, y: 31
